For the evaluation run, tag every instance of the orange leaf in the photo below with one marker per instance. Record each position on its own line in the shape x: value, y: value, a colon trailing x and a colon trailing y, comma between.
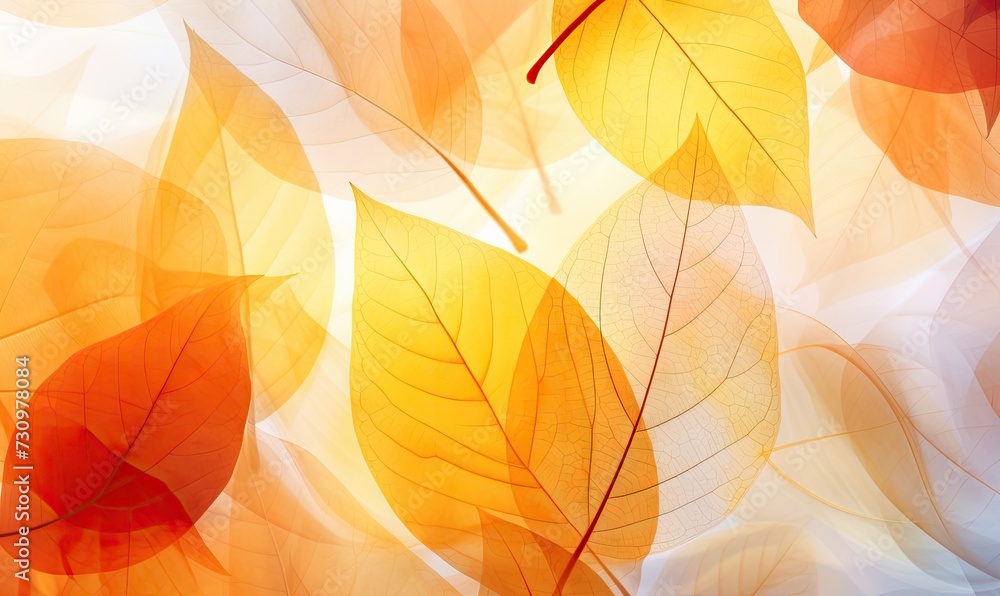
x: 934, y: 139
x: 135, y: 436
x: 239, y: 197
x: 519, y: 561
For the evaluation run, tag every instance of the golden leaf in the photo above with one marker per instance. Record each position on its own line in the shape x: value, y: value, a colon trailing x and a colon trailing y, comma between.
x: 639, y: 73
x: 479, y: 385
x: 251, y: 206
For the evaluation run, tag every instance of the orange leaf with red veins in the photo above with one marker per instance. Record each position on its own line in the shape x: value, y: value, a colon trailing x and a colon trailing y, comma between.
x: 134, y: 437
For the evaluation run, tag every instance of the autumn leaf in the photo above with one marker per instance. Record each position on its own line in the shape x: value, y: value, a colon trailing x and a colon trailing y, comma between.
x: 638, y: 74
x: 866, y: 208
x: 921, y: 433
x: 406, y: 60
x: 479, y: 385
x: 69, y: 242
x: 901, y: 417
x: 941, y: 46
x: 934, y: 139
x: 407, y: 69
x: 525, y: 126
x: 967, y: 326
x: 134, y: 437
x: 239, y: 197
x: 518, y: 561
x: 676, y: 287
x: 289, y: 526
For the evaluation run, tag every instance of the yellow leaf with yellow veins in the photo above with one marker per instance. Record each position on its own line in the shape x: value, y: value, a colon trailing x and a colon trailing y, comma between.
x: 638, y: 73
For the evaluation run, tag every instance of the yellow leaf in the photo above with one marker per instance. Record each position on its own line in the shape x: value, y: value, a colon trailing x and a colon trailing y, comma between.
x: 821, y: 54
x: 638, y: 73
x: 681, y: 296
x: 240, y: 197
x: 479, y: 385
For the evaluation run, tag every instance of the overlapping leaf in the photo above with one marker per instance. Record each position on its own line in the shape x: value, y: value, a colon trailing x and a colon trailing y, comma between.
x: 934, y: 139
x: 518, y: 561
x: 639, y: 73
x: 755, y: 559
x: 480, y: 386
x: 251, y: 206
x: 943, y: 46
x: 133, y: 437
x: 59, y: 291
x: 865, y: 207
x: 676, y: 287
x: 925, y: 439
x: 289, y: 526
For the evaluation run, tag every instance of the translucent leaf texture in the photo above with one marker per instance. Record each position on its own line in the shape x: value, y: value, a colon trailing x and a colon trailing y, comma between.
x: 943, y: 46
x: 681, y: 296
x: 117, y: 479
x: 289, y: 526
x: 758, y: 558
x: 639, y: 74
x: 926, y: 440
x: 936, y: 140
x: 252, y: 206
x: 865, y: 206
x: 518, y: 561
x: 70, y: 242
x: 481, y: 386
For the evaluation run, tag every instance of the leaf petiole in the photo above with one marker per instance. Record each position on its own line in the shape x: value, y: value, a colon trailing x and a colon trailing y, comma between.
x: 533, y: 73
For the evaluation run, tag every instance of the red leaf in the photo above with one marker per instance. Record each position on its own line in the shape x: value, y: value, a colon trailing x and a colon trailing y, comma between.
x: 134, y: 437
x: 944, y: 46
